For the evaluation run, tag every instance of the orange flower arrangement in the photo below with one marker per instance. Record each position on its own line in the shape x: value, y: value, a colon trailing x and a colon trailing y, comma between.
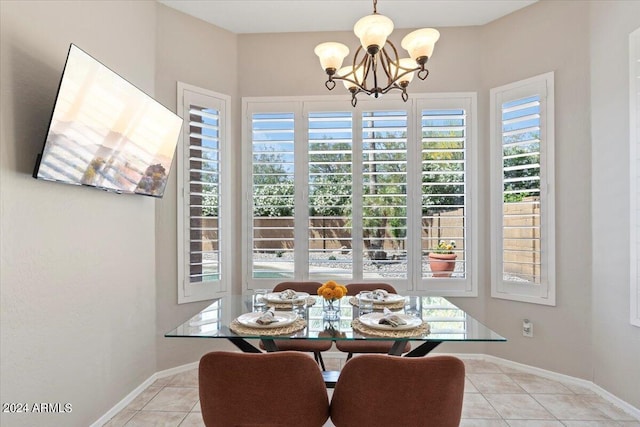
x: 332, y: 291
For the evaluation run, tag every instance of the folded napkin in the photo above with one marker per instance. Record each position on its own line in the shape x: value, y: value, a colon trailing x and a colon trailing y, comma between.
x: 288, y: 294
x: 379, y: 295
x: 267, y: 318
x: 391, y: 319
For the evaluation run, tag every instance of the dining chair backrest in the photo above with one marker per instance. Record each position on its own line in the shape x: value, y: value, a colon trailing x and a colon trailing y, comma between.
x: 356, y: 288
x: 309, y: 287
x: 377, y: 391
x: 315, y: 347
x: 267, y: 389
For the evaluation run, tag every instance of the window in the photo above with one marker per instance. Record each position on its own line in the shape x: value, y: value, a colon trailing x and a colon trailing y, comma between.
x: 330, y: 151
x: 335, y: 191
x: 272, y: 190
x: 523, y: 241
x: 447, y: 186
x: 634, y: 138
x: 202, y: 192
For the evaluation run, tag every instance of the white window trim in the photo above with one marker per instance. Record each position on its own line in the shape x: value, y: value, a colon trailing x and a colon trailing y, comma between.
x: 634, y: 148
x: 545, y: 293
x: 437, y: 287
x: 192, y: 292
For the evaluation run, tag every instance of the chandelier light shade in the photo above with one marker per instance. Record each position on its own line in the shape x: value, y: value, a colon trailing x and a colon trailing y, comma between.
x: 377, y: 68
x: 373, y: 30
x: 420, y: 43
x: 331, y: 55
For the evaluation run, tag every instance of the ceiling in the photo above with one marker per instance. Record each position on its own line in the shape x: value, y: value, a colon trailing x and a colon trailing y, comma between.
x: 282, y: 16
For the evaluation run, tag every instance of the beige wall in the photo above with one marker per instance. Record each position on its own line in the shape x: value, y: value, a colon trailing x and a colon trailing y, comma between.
x: 78, y: 315
x: 616, y: 343
x: 196, y: 53
x: 78, y: 265
x: 551, y: 36
x: 284, y: 64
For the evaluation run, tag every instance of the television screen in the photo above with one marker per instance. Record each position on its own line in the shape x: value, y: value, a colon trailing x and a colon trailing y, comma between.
x: 106, y: 133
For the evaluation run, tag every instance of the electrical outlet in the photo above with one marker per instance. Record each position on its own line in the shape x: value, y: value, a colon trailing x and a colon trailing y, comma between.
x: 527, y: 328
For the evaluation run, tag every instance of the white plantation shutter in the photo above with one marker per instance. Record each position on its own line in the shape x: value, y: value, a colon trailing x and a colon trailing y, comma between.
x: 384, y: 193
x: 272, y: 195
x: 523, y: 208
x: 634, y: 120
x: 443, y: 183
x: 333, y: 192
x: 446, y: 182
x: 330, y: 152
x: 200, y: 209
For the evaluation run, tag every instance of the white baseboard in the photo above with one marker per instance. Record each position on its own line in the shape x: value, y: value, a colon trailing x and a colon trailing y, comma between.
x: 628, y: 408
x: 142, y: 387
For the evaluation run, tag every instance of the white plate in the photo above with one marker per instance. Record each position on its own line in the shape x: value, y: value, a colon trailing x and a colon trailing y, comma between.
x: 390, y: 299
x: 283, y: 319
x: 371, y: 320
x: 275, y: 297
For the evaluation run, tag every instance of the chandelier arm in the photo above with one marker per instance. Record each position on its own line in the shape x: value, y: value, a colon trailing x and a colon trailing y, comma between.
x: 374, y: 68
x: 355, y: 92
x: 423, y: 73
x: 391, y: 87
x: 346, y: 79
x: 330, y: 83
x: 385, y: 61
x: 390, y: 60
x: 408, y: 72
x: 361, y: 63
x: 366, y: 64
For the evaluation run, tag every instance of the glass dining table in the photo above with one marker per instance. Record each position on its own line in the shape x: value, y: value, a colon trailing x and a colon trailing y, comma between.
x: 439, y: 319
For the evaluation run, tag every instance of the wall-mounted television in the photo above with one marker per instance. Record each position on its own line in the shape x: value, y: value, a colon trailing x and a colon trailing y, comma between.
x: 106, y: 133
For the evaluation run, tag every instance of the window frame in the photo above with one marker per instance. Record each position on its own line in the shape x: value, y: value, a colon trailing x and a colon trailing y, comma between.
x: 545, y: 293
x: 200, y: 291
x: 302, y: 106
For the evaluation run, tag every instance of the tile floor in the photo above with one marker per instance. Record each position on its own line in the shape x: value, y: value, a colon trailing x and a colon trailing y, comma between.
x: 495, y: 396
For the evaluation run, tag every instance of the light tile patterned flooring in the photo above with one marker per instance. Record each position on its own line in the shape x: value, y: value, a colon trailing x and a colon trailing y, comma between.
x: 495, y: 396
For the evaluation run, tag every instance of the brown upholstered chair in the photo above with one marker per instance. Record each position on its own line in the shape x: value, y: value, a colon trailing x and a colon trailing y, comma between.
x: 355, y: 347
x: 282, y: 389
x: 312, y: 346
x: 377, y: 391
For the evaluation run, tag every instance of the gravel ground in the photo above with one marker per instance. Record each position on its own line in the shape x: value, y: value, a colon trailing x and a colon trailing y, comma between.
x: 392, y: 268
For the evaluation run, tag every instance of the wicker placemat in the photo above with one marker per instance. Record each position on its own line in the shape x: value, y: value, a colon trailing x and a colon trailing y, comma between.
x: 281, y: 305
x: 241, y: 329
x: 421, y: 330
x: 379, y: 306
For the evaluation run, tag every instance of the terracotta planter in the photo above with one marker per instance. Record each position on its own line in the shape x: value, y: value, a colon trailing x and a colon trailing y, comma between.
x: 442, y: 264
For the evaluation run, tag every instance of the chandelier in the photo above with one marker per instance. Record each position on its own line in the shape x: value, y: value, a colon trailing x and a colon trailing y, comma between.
x: 377, y: 68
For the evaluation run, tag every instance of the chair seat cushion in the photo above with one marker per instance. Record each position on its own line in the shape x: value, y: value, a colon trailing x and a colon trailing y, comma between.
x: 368, y: 346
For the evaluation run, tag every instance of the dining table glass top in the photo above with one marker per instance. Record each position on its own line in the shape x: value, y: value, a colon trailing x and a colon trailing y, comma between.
x: 446, y: 322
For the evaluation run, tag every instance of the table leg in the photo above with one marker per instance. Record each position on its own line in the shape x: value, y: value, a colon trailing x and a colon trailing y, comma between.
x: 422, y: 349
x: 244, y: 345
x: 269, y: 345
x: 396, y: 348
